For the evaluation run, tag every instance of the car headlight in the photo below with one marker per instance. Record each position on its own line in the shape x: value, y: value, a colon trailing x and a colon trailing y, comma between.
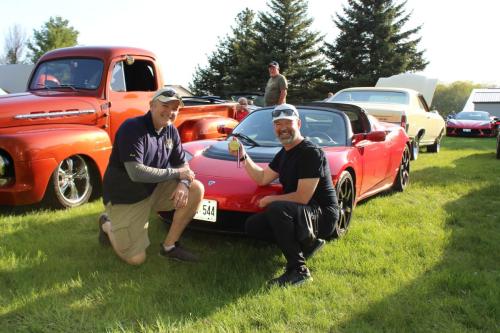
x: 6, y: 171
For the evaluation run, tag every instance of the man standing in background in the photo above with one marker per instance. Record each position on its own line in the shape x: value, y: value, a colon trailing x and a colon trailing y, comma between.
x: 276, y: 87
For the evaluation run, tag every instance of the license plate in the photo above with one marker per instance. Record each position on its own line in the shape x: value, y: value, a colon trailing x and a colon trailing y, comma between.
x: 466, y: 130
x: 207, y: 211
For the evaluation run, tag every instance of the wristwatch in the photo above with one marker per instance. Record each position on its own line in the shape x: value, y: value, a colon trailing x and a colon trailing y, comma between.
x: 185, y: 182
x: 243, y: 158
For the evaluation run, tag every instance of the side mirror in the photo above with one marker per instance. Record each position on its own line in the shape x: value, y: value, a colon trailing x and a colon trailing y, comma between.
x: 356, y: 138
x: 376, y: 136
x: 222, y: 129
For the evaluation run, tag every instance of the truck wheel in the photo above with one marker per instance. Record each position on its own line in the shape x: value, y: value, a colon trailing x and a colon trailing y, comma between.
x: 415, y: 148
x: 70, y: 184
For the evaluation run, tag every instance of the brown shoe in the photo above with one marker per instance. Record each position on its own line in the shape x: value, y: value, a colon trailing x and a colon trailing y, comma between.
x: 178, y: 253
x: 103, y: 237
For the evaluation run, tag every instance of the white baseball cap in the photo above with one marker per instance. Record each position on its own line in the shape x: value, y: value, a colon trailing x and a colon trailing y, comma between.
x: 285, y: 111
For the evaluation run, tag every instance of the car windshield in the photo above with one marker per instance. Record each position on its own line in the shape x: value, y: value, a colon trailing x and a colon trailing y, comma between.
x: 72, y: 73
x: 369, y: 96
x: 322, y: 127
x: 476, y: 115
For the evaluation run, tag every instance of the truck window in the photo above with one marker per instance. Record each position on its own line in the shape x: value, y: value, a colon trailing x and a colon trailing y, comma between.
x: 138, y: 76
x: 118, y: 78
x: 76, y: 73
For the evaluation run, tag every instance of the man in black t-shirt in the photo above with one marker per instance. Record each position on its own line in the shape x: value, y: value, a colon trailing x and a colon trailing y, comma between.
x: 306, y: 212
x: 148, y: 172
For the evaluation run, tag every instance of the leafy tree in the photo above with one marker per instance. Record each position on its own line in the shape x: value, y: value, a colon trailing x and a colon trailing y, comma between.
x: 451, y: 98
x: 15, y: 45
x: 230, y: 65
x: 241, y: 59
x: 284, y: 35
x: 372, y: 44
x: 55, y: 33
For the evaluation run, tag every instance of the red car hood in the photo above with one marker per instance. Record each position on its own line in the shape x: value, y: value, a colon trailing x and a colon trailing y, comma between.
x: 75, y: 109
x: 224, y: 182
x: 464, y: 123
x: 231, y: 186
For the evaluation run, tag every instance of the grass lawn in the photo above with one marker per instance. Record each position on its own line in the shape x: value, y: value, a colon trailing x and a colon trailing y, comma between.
x: 426, y: 260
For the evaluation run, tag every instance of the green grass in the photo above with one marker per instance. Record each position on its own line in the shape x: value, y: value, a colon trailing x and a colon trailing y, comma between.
x: 426, y: 260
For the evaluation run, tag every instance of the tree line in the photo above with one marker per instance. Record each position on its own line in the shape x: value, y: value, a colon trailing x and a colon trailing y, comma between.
x: 54, y: 34
x: 372, y: 42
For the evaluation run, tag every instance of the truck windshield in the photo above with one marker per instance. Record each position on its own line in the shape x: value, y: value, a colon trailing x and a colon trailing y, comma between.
x: 73, y: 73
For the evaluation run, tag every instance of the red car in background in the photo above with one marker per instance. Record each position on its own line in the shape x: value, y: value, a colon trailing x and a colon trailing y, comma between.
x: 365, y: 157
x: 472, y: 123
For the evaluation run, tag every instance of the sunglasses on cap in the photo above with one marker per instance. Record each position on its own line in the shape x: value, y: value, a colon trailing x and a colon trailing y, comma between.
x: 286, y: 112
x: 169, y: 93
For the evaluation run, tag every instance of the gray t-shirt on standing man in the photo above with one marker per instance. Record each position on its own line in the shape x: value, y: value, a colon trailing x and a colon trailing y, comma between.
x: 273, y: 88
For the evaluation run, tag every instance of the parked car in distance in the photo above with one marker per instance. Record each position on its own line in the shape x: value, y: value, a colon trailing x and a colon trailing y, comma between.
x: 56, y: 138
x: 365, y: 157
x: 472, y: 123
x: 391, y: 102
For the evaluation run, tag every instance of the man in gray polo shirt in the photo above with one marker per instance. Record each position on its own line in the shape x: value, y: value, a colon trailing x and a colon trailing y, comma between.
x: 276, y: 87
x: 148, y: 172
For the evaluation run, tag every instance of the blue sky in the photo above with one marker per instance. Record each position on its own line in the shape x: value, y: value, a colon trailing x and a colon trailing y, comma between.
x: 460, y: 37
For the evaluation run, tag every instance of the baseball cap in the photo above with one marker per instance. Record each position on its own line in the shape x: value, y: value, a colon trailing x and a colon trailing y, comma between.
x: 166, y: 95
x: 285, y: 111
x: 274, y: 64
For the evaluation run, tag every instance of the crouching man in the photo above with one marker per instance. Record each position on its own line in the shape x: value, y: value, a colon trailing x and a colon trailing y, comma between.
x: 148, y: 172
x: 299, y: 219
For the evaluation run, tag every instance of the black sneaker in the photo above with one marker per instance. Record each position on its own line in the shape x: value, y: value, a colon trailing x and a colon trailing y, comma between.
x: 310, y: 250
x: 103, y: 237
x: 292, y: 277
x: 178, y: 253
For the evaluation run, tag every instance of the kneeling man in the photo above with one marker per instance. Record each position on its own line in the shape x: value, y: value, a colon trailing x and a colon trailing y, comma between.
x: 148, y: 172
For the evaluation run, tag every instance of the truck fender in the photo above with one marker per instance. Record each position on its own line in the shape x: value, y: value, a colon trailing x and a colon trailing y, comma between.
x: 204, y: 128
x: 37, y: 147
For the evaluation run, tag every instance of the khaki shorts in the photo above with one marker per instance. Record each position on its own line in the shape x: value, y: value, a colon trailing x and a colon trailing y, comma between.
x: 130, y: 223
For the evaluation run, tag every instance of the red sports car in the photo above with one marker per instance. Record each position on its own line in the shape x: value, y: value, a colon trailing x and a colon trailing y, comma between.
x: 365, y: 157
x: 472, y: 123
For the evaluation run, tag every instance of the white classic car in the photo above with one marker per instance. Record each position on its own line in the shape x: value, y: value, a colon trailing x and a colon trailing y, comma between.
x: 392, y: 100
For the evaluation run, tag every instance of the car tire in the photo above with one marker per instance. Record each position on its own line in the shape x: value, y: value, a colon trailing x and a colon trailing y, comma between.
x: 498, y: 146
x: 436, y: 146
x: 415, y: 149
x: 345, y: 197
x: 71, y: 183
x: 403, y: 177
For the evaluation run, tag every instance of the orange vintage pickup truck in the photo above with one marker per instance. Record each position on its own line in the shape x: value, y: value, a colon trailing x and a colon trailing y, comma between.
x: 56, y: 138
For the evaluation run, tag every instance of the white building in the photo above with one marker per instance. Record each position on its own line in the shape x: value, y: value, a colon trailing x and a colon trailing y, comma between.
x: 14, y: 78
x: 484, y: 100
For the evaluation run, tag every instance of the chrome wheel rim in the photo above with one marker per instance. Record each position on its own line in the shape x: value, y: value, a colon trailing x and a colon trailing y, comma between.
x: 404, y: 170
x: 73, y: 179
x: 346, y: 201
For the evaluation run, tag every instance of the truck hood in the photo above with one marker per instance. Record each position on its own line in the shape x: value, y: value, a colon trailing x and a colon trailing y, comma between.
x: 47, y: 107
x: 425, y: 86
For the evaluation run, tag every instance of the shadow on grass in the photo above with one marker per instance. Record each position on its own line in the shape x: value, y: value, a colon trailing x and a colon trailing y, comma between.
x: 59, y: 279
x: 462, y: 292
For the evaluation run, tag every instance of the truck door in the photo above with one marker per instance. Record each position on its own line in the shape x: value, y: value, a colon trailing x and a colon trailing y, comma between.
x: 131, y: 85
